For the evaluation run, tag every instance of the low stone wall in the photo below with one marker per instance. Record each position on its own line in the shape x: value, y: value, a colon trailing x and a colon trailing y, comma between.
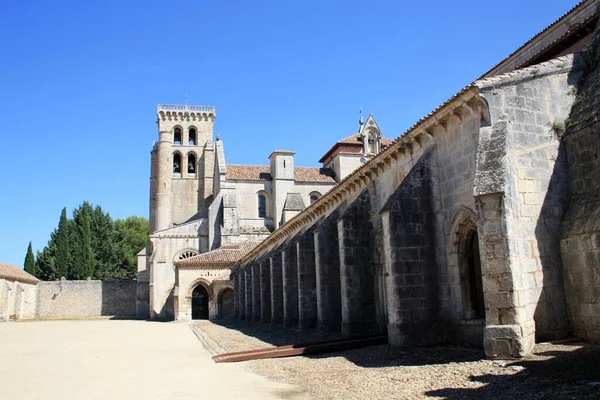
x: 86, y: 299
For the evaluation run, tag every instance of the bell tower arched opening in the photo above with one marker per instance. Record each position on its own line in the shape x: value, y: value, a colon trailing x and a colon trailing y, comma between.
x: 200, y: 302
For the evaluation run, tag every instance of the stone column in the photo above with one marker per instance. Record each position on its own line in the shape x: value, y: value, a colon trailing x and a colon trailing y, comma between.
x: 327, y: 261
x: 265, y: 290
x: 255, y: 291
x: 241, y: 293
x: 276, y: 288
x: 307, y: 289
x: 357, y: 277
x: 236, y: 297
x: 290, y: 286
x: 248, y: 285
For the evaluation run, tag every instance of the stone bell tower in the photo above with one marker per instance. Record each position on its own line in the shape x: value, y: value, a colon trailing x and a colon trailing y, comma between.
x: 181, y: 165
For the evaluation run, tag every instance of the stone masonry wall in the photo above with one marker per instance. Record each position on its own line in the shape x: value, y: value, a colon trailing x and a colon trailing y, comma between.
x: 327, y: 260
x: 580, y: 238
x: 276, y: 277
x: 412, y: 285
x: 265, y: 290
x: 535, y: 103
x: 86, y: 299
x: 290, y: 285
x: 307, y: 289
x: 357, y: 275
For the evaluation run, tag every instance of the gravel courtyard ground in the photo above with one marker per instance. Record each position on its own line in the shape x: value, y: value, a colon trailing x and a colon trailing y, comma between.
x: 555, y: 371
x: 111, y: 359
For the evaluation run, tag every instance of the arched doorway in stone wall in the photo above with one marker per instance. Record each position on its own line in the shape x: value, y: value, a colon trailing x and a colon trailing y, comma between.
x: 200, y: 302
x: 472, y: 273
x: 226, y: 304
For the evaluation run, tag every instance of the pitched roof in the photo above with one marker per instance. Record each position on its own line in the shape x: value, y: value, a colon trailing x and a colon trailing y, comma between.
x: 225, y: 255
x: 249, y: 172
x: 357, y: 139
x: 293, y: 202
x: 12, y: 273
x: 304, y: 174
x: 552, y: 35
x: 263, y: 173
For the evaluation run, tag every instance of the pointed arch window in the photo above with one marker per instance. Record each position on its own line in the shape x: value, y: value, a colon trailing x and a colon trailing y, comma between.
x: 192, y: 137
x: 191, y: 164
x: 177, y: 136
x: 176, y: 163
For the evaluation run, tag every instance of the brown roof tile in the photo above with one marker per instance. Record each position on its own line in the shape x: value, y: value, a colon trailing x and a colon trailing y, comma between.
x: 263, y: 173
x: 357, y: 139
x: 303, y: 174
x: 249, y: 172
x: 12, y: 273
x: 225, y: 255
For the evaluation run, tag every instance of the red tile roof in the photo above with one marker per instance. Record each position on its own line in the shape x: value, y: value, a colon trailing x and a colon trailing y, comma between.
x: 323, y: 175
x: 357, y: 139
x: 263, y: 173
x: 12, y: 273
x: 249, y: 172
x: 227, y: 254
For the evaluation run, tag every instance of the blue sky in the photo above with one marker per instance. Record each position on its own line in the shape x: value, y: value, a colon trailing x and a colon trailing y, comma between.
x: 80, y: 82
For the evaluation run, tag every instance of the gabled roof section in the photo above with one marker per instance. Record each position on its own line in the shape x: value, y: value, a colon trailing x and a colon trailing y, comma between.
x: 355, y: 140
x: 263, y: 173
x: 553, y: 40
x: 313, y: 175
x: 249, y: 172
x: 294, y: 202
x: 225, y: 255
x: 12, y: 273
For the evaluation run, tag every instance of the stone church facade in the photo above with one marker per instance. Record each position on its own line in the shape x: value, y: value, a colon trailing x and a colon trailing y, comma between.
x: 479, y: 225
x: 205, y: 214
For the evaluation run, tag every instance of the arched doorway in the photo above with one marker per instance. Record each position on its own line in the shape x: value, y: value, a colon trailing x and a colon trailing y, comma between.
x: 475, y: 282
x: 226, y: 305
x: 200, y: 303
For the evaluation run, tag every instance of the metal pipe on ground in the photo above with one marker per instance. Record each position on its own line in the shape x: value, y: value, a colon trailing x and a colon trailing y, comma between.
x: 300, y: 349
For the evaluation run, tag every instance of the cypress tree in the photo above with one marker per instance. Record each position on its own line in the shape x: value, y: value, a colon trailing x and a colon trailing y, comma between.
x: 62, y: 239
x: 29, y: 265
x: 107, y: 255
x: 83, y: 256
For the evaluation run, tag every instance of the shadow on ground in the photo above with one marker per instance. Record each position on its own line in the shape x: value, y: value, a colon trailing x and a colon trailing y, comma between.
x: 367, y: 357
x: 566, y: 374
x: 554, y: 371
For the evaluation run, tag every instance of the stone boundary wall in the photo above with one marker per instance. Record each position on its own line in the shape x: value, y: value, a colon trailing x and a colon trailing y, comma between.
x: 86, y: 299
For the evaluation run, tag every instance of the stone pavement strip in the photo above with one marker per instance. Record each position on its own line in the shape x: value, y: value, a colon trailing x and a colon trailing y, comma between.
x: 115, y: 359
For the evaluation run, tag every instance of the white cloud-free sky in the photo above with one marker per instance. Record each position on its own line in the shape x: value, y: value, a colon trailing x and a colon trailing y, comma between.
x: 80, y: 82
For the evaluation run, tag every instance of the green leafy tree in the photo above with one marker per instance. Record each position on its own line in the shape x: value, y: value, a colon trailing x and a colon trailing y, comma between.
x: 62, y: 246
x: 132, y: 237
x: 29, y: 265
x: 81, y: 239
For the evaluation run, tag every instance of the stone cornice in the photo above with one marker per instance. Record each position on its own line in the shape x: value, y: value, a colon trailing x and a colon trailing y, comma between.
x: 416, y: 138
x: 179, y: 112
